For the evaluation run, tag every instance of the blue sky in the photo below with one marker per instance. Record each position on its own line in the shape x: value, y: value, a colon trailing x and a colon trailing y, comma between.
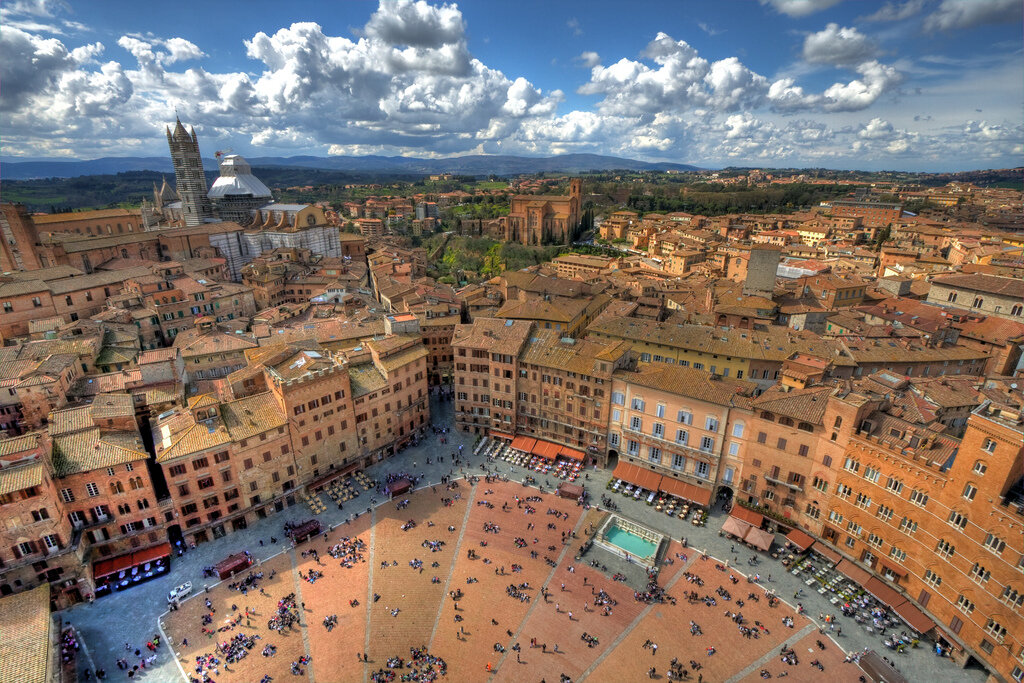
x: 902, y: 84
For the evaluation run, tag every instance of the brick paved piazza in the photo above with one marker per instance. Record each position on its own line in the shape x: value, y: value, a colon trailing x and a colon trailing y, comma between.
x: 426, y: 613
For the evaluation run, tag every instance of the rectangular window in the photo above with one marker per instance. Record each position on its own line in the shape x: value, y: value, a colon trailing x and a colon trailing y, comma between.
x: 678, y: 463
x: 660, y: 410
x: 636, y: 424
x: 762, y: 437
x: 781, y: 444
x: 711, y: 424
x: 654, y: 454
x: 707, y: 444
x: 92, y: 489
x: 685, y: 417
x: 659, y: 430
x: 637, y: 404
x: 67, y: 495
x: 632, y: 447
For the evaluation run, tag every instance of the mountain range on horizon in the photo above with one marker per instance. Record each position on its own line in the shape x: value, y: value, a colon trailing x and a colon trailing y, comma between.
x: 478, y: 165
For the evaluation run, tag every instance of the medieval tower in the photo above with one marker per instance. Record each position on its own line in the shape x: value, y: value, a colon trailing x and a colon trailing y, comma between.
x: 188, y: 175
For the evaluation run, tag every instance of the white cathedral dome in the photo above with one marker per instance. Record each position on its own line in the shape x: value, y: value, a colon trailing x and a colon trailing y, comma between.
x: 236, y: 180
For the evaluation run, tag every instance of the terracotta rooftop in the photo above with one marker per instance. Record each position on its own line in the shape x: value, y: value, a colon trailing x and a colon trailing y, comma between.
x: 25, y: 636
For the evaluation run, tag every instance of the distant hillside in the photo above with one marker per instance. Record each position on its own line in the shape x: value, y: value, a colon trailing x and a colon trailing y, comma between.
x: 468, y: 165
x: 55, y: 194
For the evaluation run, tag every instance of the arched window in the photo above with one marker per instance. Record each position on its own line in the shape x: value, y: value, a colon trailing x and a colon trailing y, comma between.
x: 978, y: 301
x: 116, y: 487
x: 788, y: 422
x: 124, y: 253
x: 1017, y: 309
x: 805, y: 426
x: 767, y: 416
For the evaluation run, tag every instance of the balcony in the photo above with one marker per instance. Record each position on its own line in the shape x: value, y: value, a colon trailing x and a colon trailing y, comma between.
x: 791, y: 485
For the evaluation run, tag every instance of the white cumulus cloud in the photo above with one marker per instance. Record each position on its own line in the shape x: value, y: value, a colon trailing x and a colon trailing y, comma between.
x: 838, y: 45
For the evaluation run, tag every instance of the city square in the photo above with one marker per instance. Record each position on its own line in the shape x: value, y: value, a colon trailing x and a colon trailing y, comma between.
x: 416, y: 608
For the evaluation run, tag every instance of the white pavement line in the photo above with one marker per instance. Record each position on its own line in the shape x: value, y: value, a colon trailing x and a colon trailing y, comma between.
x: 638, y: 618
x: 174, y: 655
x: 771, y: 654
x: 85, y: 648
x: 540, y: 599
x: 303, y: 622
x: 455, y: 558
x: 369, y: 587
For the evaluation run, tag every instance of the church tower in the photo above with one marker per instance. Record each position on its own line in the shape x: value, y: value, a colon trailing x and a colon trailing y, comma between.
x: 188, y: 175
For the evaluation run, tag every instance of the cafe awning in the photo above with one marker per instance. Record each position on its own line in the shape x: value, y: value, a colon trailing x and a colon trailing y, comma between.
x: 800, y: 539
x: 648, y: 479
x: 523, y: 443
x: 752, y: 518
x: 681, y: 489
x: 884, y: 592
x: 826, y: 552
x: 500, y: 435
x: 914, y: 618
x: 571, y: 453
x: 545, y: 449
x: 893, y: 567
x: 852, y: 571
x: 150, y: 554
x: 626, y: 472
x: 735, y: 527
x: 111, y: 566
x: 759, y: 538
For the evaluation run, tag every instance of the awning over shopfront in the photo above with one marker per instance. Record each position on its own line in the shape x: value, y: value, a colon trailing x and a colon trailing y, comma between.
x: 648, y: 479
x: 626, y: 472
x: 571, y: 453
x: 111, y: 566
x: 736, y: 527
x: 826, y: 552
x: 681, y: 489
x: 523, y: 443
x: 852, y: 571
x: 752, y: 518
x: 883, y: 592
x: 545, y: 449
x: 800, y: 539
x: 914, y: 618
x: 893, y: 567
x: 500, y: 435
x: 151, y: 554
x: 760, y: 539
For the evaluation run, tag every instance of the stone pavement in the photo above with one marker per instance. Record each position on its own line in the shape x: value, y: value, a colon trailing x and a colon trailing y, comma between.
x: 131, y: 616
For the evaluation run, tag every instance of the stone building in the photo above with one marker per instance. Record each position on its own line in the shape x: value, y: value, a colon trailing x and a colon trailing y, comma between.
x: 543, y: 219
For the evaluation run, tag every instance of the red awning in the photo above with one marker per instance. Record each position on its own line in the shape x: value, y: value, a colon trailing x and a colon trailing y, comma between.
x: 572, y: 453
x: 151, y: 554
x: 759, y: 538
x: 735, y: 527
x: 752, y: 518
x: 540, y: 448
x: 648, y: 479
x: 523, y: 443
x: 893, y: 567
x: 627, y: 472
x: 800, y: 539
x: 826, y: 552
x: 681, y: 489
x: 111, y: 566
x: 500, y: 435
x: 852, y: 571
x: 914, y: 618
x: 551, y: 450
x: 883, y: 592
